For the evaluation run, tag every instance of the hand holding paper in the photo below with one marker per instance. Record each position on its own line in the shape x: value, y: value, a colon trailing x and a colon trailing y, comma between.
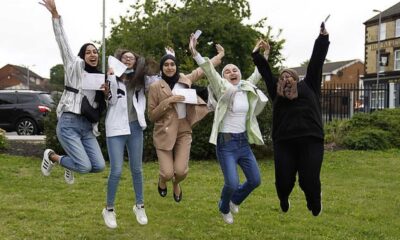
x: 118, y: 67
x: 189, y: 94
x: 92, y: 81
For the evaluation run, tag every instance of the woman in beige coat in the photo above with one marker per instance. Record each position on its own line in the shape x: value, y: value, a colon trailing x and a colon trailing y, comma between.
x: 173, y: 121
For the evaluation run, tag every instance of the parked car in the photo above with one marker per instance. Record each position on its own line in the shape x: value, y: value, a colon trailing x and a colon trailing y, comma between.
x: 24, y: 111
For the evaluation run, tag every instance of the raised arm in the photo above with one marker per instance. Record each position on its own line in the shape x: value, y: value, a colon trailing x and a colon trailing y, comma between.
x: 215, y: 61
x: 66, y: 53
x: 314, y: 70
x: 263, y: 67
x: 217, y: 83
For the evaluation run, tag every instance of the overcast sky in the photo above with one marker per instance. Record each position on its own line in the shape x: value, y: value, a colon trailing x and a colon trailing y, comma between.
x: 26, y: 34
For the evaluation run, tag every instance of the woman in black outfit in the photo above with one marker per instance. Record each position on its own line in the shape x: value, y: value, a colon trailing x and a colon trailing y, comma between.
x: 297, y: 130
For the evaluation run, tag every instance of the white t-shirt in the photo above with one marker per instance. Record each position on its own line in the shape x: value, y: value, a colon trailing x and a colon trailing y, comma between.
x: 235, y: 117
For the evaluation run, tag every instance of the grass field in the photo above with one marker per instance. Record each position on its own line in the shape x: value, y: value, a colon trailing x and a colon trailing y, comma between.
x: 361, y: 200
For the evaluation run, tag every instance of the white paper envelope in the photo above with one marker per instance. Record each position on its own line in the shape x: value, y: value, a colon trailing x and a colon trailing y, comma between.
x: 118, y: 67
x: 92, y: 81
x: 189, y: 94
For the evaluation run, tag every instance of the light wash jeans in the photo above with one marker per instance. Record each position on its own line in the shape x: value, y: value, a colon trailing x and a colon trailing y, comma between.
x: 116, y: 146
x: 233, y: 149
x: 74, y: 132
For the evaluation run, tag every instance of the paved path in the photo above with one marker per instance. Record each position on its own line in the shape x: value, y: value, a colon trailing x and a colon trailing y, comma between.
x: 12, y: 136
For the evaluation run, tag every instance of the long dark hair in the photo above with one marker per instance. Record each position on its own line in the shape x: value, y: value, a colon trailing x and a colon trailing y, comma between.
x: 136, y: 78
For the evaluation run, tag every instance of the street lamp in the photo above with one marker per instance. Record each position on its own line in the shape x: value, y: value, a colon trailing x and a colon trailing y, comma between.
x: 103, y: 62
x: 378, y: 57
x: 27, y: 73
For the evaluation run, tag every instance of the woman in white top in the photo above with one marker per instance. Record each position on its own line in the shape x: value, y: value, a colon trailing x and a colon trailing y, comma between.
x: 125, y: 123
x: 234, y: 128
x: 76, y: 134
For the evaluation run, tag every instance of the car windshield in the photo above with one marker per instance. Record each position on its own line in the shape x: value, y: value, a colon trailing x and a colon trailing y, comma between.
x: 46, y: 99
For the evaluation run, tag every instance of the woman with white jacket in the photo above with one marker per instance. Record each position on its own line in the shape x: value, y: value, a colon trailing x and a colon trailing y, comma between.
x: 125, y: 122
x: 75, y: 132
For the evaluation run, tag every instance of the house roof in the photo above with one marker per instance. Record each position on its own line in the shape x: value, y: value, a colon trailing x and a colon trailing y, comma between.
x: 23, y: 71
x: 329, y: 68
x: 390, y: 12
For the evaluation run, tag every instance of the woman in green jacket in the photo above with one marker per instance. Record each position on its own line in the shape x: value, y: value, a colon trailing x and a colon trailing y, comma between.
x: 235, y: 126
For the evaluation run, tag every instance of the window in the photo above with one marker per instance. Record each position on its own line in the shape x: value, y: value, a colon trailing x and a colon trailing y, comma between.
x: 383, y: 31
x: 397, y: 59
x: 397, y: 33
x: 327, y: 77
x: 8, y: 98
x: 24, y: 98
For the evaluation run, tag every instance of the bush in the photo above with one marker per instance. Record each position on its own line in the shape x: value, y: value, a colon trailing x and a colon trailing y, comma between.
x: 3, y: 139
x: 335, y: 130
x: 377, y: 130
x: 367, y: 139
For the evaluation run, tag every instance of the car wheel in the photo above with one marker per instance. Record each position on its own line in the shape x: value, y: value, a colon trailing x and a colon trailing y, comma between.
x: 26, y: 126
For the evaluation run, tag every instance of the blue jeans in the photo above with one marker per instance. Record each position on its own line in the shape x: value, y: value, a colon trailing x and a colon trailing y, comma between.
x: 116, y: 146
x: 233, y: 149
x: 74, y: 132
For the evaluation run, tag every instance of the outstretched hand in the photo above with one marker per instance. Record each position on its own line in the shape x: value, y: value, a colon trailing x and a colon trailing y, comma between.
x: 193, y: 44
x: 51, y: 6
x: 220, y: 50
x: 261, y: 44
x: 323, y: 29
x: 169, y: 50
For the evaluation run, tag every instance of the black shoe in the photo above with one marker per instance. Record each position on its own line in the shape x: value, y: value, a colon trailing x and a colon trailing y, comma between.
x: 161, y: 191
x: 316, y: 208
x: 285, y: 205
x: 178, y: 198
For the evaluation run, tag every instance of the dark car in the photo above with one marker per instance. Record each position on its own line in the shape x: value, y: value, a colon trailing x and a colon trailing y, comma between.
x: 24, y: 111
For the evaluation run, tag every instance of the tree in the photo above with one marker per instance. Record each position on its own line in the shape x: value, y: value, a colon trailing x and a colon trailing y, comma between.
x: 57, y: 77
x: 151, y: 25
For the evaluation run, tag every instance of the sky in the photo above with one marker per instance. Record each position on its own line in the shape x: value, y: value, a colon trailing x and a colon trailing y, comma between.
x: 27, y: 38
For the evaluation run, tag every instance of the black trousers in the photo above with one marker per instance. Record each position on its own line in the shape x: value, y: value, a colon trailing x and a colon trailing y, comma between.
x: 301, y: 155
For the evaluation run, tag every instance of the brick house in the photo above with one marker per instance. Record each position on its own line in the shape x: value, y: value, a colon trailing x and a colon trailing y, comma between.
x: 383, y: 75
x: 16, y: 77
x: 338, y: 74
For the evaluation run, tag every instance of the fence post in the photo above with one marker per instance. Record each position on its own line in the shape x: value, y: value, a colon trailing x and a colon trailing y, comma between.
x: 351, y: 104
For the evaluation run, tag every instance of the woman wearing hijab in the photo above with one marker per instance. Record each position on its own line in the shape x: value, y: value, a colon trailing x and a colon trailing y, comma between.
x: 173, y: 122
x: 297, y: 130
x: 125, y: 122
x: 235, y: 127
x: 75, y: 132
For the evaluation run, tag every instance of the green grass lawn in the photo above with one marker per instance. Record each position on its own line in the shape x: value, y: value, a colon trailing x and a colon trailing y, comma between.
x: 361, y: 200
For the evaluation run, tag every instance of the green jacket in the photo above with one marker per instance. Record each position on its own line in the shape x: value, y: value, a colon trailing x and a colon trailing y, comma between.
x: 224, y: 90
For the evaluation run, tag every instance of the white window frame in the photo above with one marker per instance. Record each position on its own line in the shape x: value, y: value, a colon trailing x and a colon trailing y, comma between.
x: 397, y: 31
x: 396, y: 64
x: 327, y: 77
x: 382, y: 35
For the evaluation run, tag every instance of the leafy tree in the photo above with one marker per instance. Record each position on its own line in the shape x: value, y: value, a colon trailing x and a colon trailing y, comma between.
x: 151, y: 25
x: 57, y: 77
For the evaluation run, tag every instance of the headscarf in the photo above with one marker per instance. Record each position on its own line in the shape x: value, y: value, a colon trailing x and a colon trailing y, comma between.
x: 170, y: 80
x: 81, y: 54
x: 288, y: 88
x: 239, y: 72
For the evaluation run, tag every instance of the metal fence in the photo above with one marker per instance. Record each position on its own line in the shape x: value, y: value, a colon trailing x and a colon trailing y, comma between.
x: 342, y: 101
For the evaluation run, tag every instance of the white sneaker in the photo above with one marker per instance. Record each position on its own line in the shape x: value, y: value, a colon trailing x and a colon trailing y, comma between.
x: 69, y: 176
x: 109, y: 218
x: 228, y: 218
x: 233, y: 207
x: 140, y: 213
x: 47, y: 164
